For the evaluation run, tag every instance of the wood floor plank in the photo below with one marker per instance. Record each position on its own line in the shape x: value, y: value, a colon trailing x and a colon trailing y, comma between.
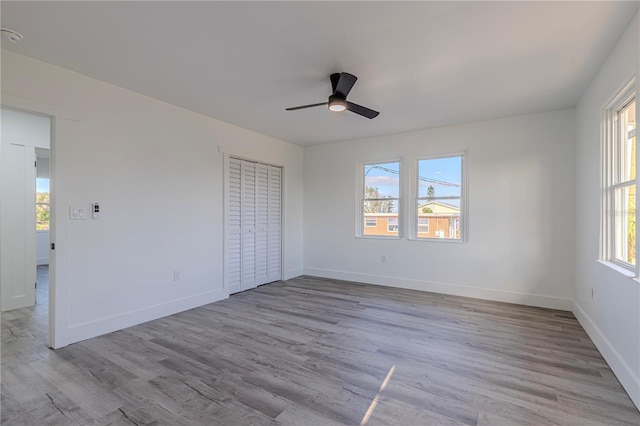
x: 312, y: 351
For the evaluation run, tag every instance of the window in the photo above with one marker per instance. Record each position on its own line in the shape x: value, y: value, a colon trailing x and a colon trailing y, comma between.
x: 380, y: 199
x: 439, y: 200
x: 423, y: 225
x: 370, y: 222
x: 619, y: 202
x: 42, y: 204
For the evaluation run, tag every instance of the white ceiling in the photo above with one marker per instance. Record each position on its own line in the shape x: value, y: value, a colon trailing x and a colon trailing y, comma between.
x: 421, y: 64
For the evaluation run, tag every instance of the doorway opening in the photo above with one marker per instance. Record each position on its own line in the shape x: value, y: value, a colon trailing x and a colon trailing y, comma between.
x: 43, y: 225
x: 25, y: 212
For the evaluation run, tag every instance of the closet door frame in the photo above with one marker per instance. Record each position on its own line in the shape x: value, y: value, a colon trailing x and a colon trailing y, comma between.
x: 227, y: 158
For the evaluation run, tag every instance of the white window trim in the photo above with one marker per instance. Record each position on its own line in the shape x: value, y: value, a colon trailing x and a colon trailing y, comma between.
x: 407, y: 213
x: 360, y: 165
x: 464, y: 207
x: 610, y: 134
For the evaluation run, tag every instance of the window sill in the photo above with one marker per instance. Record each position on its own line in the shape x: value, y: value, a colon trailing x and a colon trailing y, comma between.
x: 438, y: 240
x: 377, y: 237
x: 626, y: 272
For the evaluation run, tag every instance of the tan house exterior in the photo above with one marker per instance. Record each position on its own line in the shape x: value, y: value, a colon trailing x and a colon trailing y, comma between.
x: 435, y: 220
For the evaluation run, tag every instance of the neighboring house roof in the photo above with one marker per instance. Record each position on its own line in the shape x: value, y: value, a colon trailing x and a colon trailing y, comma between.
x: 439, y: 208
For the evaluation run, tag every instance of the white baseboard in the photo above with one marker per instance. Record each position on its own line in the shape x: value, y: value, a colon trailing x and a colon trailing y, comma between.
x: 620, y: 368
x: 538, y: 300
x: 109, y: 324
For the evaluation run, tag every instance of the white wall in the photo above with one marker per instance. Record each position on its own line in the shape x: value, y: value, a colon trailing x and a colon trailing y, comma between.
x: 29, y: 129
x: 157, y: 171
x: 520, y: 245
x: 612, y: 316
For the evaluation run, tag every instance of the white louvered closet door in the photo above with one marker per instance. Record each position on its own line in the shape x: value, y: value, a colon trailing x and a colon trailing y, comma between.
x: 234, y: 227
x: 274, y: 259
x: 262, y: 223
x: 253, y: 225
x: 248, y: 225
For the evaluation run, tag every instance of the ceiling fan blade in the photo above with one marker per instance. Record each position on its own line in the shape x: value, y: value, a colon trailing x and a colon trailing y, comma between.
x: 306, y: 106
x: 363, y: 111
x: 344, y: 85
x: 334, y: 81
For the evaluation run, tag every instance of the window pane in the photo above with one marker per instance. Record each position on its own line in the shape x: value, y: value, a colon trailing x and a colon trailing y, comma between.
x: 440, y: 177
x: 439, y: 219
x: 381, y: 206
x: 42, y: 216
x: 42, y: 203
x: 624, y: 237
x: 382, y: 180
x: 381, y: 199
x: 380, y: 219
x: 42, y: 190
x: 627, y: 122
x: 381, y: 224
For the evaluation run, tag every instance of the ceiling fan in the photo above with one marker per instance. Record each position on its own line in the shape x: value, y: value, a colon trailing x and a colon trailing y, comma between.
x: 341, y: 83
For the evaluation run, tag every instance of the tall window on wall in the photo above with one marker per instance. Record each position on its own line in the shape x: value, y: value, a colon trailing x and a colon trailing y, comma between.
x: 619, y: 201
x: 380, y: 200
x: 43, y: 204
x: 439, y: 201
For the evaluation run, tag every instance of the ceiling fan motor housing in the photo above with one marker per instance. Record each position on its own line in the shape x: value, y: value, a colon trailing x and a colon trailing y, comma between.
x: 337, y: 103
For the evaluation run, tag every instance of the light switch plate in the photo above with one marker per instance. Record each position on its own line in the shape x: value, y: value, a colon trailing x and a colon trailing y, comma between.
x: 77, y: 213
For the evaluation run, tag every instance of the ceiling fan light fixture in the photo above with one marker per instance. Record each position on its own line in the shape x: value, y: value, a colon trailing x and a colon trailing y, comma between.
x: 336, y: 104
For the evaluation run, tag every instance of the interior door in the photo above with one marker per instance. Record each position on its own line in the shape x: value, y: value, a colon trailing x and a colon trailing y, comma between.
x: 17, y: 226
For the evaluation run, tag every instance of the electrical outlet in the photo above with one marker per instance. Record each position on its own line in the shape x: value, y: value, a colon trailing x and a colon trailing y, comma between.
x: 176, y: 275
x: 384, y: 259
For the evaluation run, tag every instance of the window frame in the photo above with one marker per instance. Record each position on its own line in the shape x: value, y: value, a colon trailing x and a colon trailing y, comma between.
x: 360, y: 198
x: 463, y: 225
x: 611, y: 172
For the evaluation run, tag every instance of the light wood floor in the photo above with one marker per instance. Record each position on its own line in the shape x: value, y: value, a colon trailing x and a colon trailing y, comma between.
x: 317, y: 352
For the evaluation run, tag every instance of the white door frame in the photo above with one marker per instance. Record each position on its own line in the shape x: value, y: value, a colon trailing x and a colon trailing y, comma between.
x: 62, y: 123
